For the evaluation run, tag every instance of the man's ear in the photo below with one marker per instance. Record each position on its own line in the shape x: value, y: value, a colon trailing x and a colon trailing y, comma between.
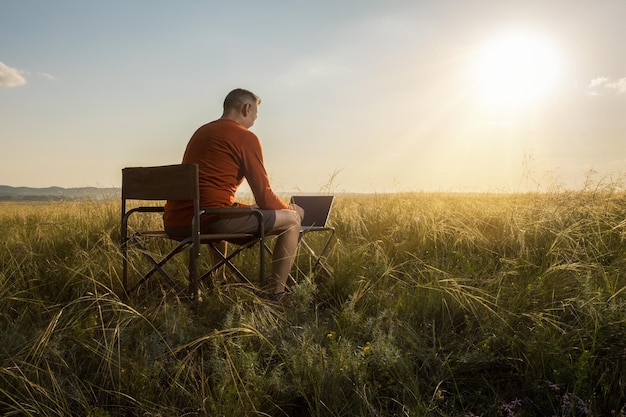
x: 245, y: 109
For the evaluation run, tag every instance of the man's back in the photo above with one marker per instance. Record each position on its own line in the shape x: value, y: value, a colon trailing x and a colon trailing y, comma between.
x: 226, y: 153
x: 220, y: 148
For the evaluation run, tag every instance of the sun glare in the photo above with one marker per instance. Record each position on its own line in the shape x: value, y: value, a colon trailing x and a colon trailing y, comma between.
x: 516, y: 71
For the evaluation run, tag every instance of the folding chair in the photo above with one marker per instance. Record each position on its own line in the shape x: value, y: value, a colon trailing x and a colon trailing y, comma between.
x: 180, y: 182
x: 316, y: 212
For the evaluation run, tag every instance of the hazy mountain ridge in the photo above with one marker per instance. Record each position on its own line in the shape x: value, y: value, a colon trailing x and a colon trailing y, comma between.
x: 9, y: 193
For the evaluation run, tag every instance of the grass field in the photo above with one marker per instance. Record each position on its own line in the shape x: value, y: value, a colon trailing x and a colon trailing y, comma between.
x: 438, y: 305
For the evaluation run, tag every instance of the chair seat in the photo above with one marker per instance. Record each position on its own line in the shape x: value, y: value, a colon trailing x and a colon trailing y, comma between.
x: 153, y: 234
x: 229, y: 237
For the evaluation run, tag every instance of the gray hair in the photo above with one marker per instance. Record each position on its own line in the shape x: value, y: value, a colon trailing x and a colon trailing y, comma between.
x: 236, y: 98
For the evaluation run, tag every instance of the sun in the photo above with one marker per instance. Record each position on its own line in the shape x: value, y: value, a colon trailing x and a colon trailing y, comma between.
x: 516, y: 70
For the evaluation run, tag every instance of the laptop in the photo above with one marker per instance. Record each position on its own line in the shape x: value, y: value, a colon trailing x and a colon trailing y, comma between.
x: 316, y: 209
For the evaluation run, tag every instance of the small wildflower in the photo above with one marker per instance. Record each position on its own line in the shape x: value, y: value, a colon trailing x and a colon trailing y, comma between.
x: 570, y: 402
x: 439, y: 395
x: 367, y: 347
x: 553, y: 387
x: 582, y: 407
x: 511, y: 408
x: 330, y: 335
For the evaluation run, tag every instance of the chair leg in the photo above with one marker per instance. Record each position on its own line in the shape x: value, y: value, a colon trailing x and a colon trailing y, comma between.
x: 124, y: 248
x: 225, y: 260
x: 219, y: 268
x: 318, y: 258
x: 193, y: 274
x: 158, y: 267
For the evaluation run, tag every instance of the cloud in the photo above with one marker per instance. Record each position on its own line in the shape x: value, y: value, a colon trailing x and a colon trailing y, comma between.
x: 619, y: 85
x: 40, y: 75
x: 10, y: 77
x: 598, y: 82
x: 46, y: 76
x: 603, y: 84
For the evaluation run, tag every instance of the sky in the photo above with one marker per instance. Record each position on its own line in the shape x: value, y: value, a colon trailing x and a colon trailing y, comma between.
x: 357, y: 96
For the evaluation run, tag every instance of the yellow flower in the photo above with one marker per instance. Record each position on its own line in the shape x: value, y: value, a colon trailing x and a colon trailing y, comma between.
x: 330, y: 335
x: 367, y: 347
x: 439, y: 394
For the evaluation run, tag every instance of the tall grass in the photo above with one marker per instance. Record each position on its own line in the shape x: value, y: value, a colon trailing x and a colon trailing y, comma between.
x: 438, y: 305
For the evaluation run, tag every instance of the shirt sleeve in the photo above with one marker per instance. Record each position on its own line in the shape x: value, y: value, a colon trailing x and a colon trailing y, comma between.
x: 256, y: 175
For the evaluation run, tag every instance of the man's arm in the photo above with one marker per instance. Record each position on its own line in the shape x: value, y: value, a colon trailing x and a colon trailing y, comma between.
x: 256, y: 175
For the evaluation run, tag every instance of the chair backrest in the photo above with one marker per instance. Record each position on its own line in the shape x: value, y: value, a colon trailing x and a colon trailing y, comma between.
x: 168, y: 182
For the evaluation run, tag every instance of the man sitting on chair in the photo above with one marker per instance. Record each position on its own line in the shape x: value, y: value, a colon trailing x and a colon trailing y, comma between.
x: 227, y: 152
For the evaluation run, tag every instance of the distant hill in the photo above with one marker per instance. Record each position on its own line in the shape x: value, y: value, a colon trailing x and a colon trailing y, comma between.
x: 8, y: 193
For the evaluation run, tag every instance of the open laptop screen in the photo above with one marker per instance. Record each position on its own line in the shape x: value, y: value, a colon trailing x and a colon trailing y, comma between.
x: 316, y: 209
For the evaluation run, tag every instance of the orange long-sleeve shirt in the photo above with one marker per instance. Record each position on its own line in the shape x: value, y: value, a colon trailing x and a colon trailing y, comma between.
x: 226, y: 153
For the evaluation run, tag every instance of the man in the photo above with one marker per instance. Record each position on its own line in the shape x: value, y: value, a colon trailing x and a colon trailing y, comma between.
x: 227, y: 152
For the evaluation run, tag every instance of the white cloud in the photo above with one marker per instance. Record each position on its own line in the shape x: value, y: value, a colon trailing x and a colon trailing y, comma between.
x: 603, y: 84
x: 619, y: 85
x: 10, y: 77
x: 40, y: 75
x: 598, y: 82
x: 46, y: 76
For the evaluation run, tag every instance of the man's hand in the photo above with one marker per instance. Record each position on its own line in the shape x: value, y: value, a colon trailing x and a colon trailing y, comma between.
x: 298, y: 210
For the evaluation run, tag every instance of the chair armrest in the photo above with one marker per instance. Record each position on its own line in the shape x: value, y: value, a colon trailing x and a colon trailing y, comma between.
x: 142, y: 209
x: 234, y: 211
x: 146, y: 209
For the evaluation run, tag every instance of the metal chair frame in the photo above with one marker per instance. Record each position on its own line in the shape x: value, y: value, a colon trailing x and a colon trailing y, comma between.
x: 180, y: 182
x: 318, y: 257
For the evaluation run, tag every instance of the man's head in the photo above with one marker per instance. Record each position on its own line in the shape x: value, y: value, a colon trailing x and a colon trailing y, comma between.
x: 241, y: 106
